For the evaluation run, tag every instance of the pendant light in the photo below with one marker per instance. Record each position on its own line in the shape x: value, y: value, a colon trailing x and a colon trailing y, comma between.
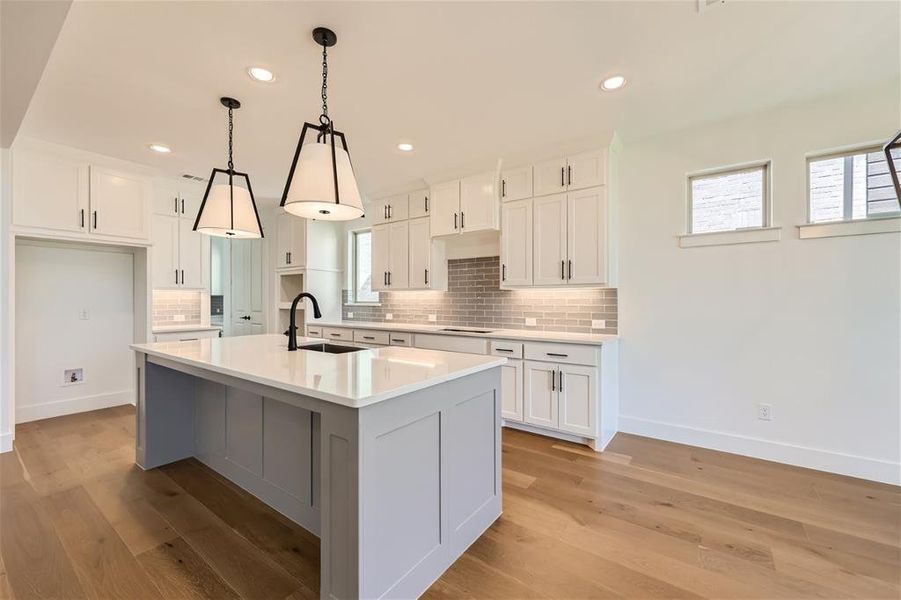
x: 321, y: 183
x: 229, y: 209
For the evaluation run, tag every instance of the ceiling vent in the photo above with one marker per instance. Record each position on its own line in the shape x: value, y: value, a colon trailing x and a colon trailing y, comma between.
x: 705, y: 5
x: 193, y: 177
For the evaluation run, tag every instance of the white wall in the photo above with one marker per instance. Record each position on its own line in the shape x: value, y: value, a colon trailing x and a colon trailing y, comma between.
x: 7, y: 411
x: 809, y: 326
x: 53, y: 284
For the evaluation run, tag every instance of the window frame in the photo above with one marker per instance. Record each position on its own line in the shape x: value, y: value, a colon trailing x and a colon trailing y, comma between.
x: 352, y: 268
x: 766, y: 209
x: 842, y: 152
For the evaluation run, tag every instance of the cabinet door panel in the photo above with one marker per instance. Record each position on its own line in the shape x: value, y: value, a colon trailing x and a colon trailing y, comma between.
x: 166, y: 200
x: 549, y: 177
x: 549, y: 240
x: 398, y: 208
x: 283, y: 240
x: 516, y: 244
x: 478, y: 202
x: 190, y: 254
x: 418, y: 202
x: 578, y: 399
x: 49, y: 192
x: 119, y: 204
x: 511, y: 390
x: 399, y: 257
x: 420, y: 254
x: 164, y: 254
x: 379, y: 210
x: 587, y: 236
x: 586, y: 170
x: 516, y: 184
x: 539, y: 394
x: 445, y: 206
x: 381, y: 253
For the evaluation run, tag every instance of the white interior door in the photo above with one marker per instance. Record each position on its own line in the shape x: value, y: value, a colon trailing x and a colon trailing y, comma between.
x: 549, y: 240
x: 578, y: 399
x: 511, y: 390
x: 586, y: 234
x: 164, y: 255
x: 516, y: 243
x: 445, y: 206
x: 247, y: 306
x: 420, y: 254
x: 399, y: 258
x: 539, y: 393
x: 120, y: 204
x: 381, y: 253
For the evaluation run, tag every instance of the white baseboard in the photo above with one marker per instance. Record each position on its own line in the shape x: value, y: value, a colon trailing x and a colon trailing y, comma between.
x: 6, y: 442
x: 59, y: 408
x: 801, y: 456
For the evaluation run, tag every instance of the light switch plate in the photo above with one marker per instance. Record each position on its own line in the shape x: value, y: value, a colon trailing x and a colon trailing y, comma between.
x: 598, y: 324
x: 531, y: 322
x: 433, y: 318
x: 389, y: 316
x: 83, y: 314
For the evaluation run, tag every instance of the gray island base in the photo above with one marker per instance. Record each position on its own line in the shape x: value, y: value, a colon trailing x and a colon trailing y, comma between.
x: 396, y: 490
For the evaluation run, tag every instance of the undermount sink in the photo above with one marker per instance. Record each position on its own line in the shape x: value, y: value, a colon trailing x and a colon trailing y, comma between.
x: 329, y: 348
x: 466, y: 330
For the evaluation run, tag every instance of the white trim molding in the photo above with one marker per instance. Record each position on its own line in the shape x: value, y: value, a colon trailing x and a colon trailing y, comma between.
x: 845, y: 228
x: 6, y: 442
x: 736, y: 236
x: 60, y: 408
x: 851, y: 465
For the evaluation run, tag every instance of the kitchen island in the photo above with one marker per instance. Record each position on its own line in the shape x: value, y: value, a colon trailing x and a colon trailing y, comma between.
x: 390, y: 455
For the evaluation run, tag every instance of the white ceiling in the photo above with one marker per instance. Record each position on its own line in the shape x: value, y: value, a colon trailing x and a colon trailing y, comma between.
x: 466, y: 82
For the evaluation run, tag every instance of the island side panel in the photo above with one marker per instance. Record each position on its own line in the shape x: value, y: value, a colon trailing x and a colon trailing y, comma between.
x: 430, y: 482
x: 165, y: 415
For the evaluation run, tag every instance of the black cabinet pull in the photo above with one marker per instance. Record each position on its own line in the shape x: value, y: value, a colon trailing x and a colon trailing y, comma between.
x: 182, y: 206
x: 335, y: 334
x: 569, y: 175
x: 503, y: 188
x: 553, y: 381
x: 176, y: 276
x: 82, y: 218
x: 389, y: 277
x: 455, y: 220
x: 570, y: 267
x: 503, y: 350
x: 462, y: 222
x: 503, y: 272
x: 427, y: 204
x: 182, y: 276
x: 561, y: 380
x: 562, y: 269
x: 384, y: 277
x: 398, y: 341
x: 426, y: 276
x: 557, y: 354
x: 389, y: 211
x: 95, y: 219
x: 562, y: 180
x: 176, y: 204
x: 368, y: 337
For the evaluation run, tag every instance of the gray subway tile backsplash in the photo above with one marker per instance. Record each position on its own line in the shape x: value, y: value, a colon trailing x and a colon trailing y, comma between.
x: 474, y: 299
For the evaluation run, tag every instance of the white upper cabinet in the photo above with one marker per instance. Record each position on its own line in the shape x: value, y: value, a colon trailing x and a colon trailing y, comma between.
x: 586, y: 170
x: 120, y: 204
x: 164, y: 259
x: 549, y: 240
x: 516, y: 243
x: 381, y: 256
x: 586, y: 235
x: 290, y: 237
x: 50, y: 192
x: 550, y: 177
x: 575, y: 172
x: 420, y: 248
x: 399, y: 255
x: 190, y: 254
x: 393, y: 208
x: 179, y: 255
x: 445, y: 208
x: 478, y: 202
x: 516, y: 184
x: 418, y: 203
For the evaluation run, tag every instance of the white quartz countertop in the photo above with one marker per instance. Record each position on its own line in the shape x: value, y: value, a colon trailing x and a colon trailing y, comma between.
x: 593, y: 339
x: 178, y: 328
x: 353, y: 379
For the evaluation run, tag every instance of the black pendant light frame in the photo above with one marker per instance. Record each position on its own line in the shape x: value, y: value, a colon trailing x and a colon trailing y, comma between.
x: 325, y: 129
x: 231, y: 104
x: 893, y: 144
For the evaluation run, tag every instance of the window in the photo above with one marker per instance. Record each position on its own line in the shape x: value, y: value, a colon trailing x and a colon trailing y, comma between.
x: 361, y: 251
x: 728, y: 200
x: 850, y: 186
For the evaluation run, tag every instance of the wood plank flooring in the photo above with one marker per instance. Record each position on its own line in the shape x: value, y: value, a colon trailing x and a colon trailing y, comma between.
x: 646, y: 519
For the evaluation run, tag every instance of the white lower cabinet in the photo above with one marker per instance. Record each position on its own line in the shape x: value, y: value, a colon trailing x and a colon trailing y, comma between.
x: 540, y: 394
x: 511, y: 390
x: 561, y: 396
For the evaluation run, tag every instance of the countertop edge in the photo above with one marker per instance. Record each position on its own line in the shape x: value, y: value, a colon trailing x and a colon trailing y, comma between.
x: 499, y: 334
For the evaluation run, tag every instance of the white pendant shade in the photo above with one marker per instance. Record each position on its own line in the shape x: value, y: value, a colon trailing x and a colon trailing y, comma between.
x: 216, y: 214
x: 311, y: 191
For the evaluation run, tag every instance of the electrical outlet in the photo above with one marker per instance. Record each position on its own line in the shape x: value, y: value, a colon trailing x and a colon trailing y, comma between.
x: 389, y: 316
x: 765, y: 412
x: 84, y: 314
x: 178, y: 318
x: 73, y: 376
x: 531, y: 322
x: 433, y: 318
x: 598, y: 324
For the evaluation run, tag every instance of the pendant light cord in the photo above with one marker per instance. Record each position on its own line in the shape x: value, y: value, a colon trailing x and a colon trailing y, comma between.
x: 324, y: 118
x: 231, y: 126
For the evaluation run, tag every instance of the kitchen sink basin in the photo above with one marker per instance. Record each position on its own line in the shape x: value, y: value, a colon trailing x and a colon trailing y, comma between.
x: 466, y: 330
x: 329, y: 348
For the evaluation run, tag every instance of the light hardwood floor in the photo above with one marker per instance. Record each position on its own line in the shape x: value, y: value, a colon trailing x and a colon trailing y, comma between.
x: 645, y: 519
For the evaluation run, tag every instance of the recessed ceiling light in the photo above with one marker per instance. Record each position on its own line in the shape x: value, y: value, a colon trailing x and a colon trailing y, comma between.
x: 405, y: 147
x: 613, y: 83
x: 162, y: 149
x: 261, y: 74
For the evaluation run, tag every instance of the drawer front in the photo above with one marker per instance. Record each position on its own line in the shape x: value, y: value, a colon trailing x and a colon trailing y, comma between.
x: 334, y: 333
x: 314, y: 331
x: 562, y: 353
x: 506, y: 348
x: 450, y: 343
x: 400, y: 339
x: 369, y: 336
